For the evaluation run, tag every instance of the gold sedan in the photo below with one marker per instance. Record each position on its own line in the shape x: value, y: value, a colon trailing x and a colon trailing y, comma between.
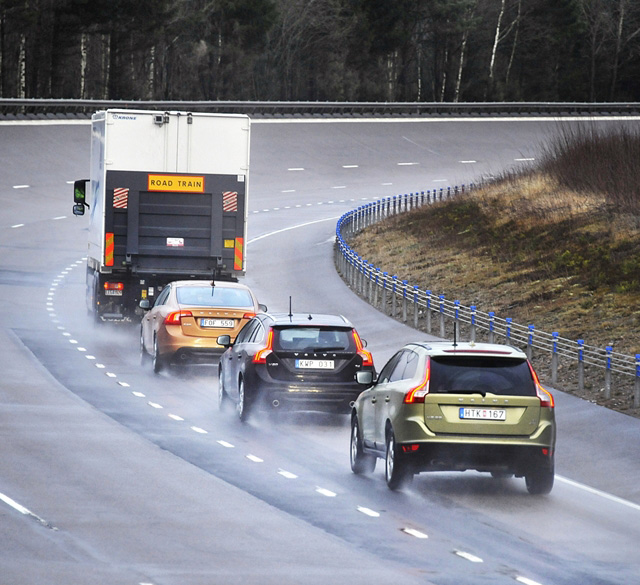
x: 187, y: 318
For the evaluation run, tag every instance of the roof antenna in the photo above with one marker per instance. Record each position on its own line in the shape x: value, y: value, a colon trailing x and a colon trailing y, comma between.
x: 455, y: 334
x: 290, y: 311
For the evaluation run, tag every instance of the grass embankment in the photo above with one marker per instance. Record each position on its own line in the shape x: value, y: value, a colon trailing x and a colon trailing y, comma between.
x: 557, y: 246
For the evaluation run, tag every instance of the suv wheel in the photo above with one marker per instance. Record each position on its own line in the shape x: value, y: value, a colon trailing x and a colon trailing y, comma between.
x: 222, y: 394
x: 539, y: 479
x: 396, y: 469
x: 361, y: 463
x: 157, y: 360
x: 242, y: 405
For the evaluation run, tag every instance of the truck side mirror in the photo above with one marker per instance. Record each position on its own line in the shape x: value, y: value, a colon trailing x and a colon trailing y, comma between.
x: 79, y: 196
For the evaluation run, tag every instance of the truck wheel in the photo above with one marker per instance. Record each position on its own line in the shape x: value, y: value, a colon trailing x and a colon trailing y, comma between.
x: 158, y: 362
x: 361, y: 463
x: 396, y: 470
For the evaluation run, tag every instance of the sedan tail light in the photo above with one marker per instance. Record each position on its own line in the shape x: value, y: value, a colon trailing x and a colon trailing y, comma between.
x: 174, y: 317
x: 367, y: 360
x: 546, y: 398
x: 260, y: 357
x: 416, y: 394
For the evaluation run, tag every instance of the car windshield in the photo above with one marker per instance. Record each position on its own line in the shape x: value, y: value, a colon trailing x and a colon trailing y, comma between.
x: 313, y: 339
x: 213, y: 296
x: 502, y: 376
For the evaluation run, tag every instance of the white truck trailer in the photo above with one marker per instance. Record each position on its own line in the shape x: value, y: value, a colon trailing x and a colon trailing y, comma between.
x: 167, y: 200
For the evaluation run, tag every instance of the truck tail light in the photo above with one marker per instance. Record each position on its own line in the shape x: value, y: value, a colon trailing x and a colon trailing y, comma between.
x: 114, y: 286
x: 175, y: 317
x: 416, y: 394
x: 260, y: 357
x: 546, y: 398
x: 367, y: 360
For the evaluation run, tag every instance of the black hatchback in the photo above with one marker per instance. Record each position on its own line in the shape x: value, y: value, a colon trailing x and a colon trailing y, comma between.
x: 294, y: 362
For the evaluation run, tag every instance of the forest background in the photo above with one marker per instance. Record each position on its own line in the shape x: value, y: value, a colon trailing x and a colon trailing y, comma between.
x: 321, y: 50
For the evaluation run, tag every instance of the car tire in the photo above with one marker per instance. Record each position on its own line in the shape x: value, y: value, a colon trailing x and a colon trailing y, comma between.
x: 361, y: 463
x: 223, y: 398
x: 539, y: 480
x: 158, y: 362
x: 243, y: 405
x: 144, y: 356
x: 396, y: 470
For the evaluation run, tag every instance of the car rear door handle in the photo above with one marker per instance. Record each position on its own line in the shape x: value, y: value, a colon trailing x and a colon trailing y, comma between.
x: 374, y: 400
x: 387, y: 398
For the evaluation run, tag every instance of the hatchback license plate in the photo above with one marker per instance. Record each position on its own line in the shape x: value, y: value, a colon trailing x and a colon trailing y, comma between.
x: 483, y: 413
x: 217, y: 323
x: 315, y: 364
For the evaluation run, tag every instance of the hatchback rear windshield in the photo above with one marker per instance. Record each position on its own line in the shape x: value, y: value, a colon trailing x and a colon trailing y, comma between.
x: 313, y: 339
x: 502, y: 376
x: 213, y: 296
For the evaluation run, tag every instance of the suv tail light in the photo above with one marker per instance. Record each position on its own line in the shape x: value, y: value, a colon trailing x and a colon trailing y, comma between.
x: 260, y: 357
x: 416, y: 394
x: 367, y: 360
x: 248, y: 315
x: 174, y: 317
x: 546, y: 398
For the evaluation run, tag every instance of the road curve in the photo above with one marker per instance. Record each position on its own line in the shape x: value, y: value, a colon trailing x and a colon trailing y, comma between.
x: 109, y: 473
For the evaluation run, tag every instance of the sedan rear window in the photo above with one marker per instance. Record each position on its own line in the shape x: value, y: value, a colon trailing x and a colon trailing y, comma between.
x: 213, y: 296
x: 313, y: 339
x: 461, y: 375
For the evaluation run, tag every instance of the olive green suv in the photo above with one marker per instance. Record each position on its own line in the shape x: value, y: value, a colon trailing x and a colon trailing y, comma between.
x: 438, y: 406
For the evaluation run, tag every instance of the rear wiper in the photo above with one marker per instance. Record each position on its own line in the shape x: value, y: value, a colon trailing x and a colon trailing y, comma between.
x: 323, y: 349
x: 482, y: 393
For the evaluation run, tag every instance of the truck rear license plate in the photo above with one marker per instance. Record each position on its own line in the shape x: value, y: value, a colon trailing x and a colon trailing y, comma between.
x: 483, y: 413
x: 217, y: 323
x: 315, y: 364
x: 113, y: 293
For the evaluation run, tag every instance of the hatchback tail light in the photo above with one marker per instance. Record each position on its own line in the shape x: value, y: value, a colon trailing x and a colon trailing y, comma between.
x: 260, y: 357
x: 175, y: 317
x: 367, y: 360
x: 416, y: 394
x: 546, y: 398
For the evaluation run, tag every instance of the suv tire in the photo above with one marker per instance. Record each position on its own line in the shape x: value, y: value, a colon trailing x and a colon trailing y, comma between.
x: 361, y: 463
x: 396, y: 470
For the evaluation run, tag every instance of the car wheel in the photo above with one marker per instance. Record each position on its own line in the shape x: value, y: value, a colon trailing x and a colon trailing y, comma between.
x: 361, y: 463
x: 222, y: 394
x: 539, y: 480
x: 144, y: 356
x: 396, y: 470
x: 242, y: 406
x: 158, y: 363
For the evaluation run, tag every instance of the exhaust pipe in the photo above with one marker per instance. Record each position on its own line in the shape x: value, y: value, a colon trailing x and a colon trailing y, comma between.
x: 275, y: 403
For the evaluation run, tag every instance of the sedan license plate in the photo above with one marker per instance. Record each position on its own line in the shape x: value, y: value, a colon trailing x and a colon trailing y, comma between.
x: 315, y: 364
x: 217, y: 323
x: 483, y: 413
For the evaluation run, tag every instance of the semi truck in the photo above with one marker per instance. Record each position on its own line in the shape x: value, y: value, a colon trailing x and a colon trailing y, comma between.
x: 166, y: 199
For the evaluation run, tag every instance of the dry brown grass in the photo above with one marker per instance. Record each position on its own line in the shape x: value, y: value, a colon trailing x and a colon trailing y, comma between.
x: 527, y: 248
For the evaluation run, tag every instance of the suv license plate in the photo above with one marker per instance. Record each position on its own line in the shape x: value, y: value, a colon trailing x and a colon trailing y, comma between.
x: 483, y: 413
x: 217, y: 323
x: 315, y: 364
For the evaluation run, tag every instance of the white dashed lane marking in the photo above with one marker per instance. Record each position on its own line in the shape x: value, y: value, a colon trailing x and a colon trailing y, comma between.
x: 368, y: 512
x: 468, y: 556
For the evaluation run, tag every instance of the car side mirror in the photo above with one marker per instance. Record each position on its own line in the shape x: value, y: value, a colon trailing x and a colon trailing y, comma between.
x: 145, y: 304
x: 224, y: 340
x: 262, y: 307
x: 365, y: 378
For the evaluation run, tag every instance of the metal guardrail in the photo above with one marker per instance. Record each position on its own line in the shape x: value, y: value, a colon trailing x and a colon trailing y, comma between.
x: 409, y: 303
x: 69, y: 108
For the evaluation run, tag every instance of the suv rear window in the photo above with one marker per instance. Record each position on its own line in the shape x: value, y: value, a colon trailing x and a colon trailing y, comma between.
x: 213, y: 296
x: 313, y: 339
x: 502, y: 376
